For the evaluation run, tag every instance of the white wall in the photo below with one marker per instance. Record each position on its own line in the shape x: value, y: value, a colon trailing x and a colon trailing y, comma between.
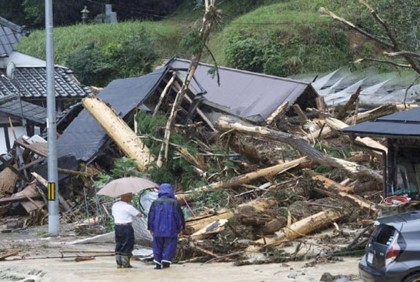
x: 19, y: 131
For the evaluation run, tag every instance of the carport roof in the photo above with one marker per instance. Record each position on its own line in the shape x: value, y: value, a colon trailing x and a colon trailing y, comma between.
x: 401, y: 124
x: 11, y: 105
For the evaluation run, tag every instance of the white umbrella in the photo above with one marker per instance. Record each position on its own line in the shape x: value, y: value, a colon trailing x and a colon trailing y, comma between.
x: 124, y: 185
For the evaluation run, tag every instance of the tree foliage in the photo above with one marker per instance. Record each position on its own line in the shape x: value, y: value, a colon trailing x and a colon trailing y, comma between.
x: 90, y: 66
x: 99, y: 65
x: 32, y: 12
x: 246, y: 54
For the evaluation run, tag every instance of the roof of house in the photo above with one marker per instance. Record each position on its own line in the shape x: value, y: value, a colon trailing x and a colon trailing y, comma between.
x: 10, y: 35
x: 84, y: 137
x: 245, y: 93
x: 31, y: 82
x: 401, y: 124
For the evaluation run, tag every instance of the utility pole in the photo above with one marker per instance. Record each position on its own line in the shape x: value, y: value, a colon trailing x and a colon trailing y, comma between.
x: 53, y: 209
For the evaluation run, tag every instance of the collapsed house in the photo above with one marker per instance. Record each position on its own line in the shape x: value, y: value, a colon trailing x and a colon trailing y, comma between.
x: 84, y: 140
x: 102, y: 131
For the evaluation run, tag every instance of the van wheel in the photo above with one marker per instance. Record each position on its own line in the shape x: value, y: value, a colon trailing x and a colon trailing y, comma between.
x: 415, y: 277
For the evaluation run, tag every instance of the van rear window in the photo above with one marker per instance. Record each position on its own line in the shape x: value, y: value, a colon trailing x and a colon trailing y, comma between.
x: 384, y: 233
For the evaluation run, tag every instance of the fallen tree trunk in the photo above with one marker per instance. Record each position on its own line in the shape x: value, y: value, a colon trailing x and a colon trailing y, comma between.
x: 195, y: 224
x: 302, y: 227
x: 372, y: 114
x: 209, y: 230
x: 365, y: 141
x: 380, y: 111
x: 227, y: 123
x: 333, y: 189
x: 278, y: 113
x: 246, y: 178
x: 119, y: 131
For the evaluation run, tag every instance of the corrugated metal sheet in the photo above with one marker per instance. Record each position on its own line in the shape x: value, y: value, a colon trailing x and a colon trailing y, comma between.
x: 377, y: 88
x: 404, y: 124
x: 10, y: 35
x: 245, y: 93
x: 84, y: 137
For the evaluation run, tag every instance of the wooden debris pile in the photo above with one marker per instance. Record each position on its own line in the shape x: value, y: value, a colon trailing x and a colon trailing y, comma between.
x: 289, y: 184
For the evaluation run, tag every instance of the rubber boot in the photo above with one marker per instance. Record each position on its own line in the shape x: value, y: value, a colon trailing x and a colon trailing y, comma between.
x: 158, y: 266
x: 118, y: 260
x: 166, y: 264
x: 125, y: 262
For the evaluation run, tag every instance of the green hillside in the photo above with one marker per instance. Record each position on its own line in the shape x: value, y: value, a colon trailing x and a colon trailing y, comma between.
x: 276, y: 37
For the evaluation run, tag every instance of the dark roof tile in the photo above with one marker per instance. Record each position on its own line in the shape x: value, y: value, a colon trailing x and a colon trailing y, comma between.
x: 10, y: 35
x: 31, y: 83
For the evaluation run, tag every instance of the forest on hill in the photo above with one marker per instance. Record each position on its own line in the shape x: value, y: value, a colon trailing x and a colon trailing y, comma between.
x: 280, y: 37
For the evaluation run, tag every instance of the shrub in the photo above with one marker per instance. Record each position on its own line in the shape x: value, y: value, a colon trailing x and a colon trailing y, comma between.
x: 90, y: 66
x: 245, y: 54
x: 95, y: 65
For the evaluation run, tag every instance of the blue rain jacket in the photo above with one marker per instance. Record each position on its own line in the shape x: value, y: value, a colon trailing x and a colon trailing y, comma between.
x: 165, y: 218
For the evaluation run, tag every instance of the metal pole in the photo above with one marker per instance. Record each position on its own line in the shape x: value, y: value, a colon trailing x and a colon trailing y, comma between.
x: 53, y: 210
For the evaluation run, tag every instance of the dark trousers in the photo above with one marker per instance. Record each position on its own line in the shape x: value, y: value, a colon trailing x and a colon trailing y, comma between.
x: 164, y: 249
x: 124, y: 240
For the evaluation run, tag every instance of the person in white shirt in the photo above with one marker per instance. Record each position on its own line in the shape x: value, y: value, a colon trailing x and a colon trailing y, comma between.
x: 123, y: 213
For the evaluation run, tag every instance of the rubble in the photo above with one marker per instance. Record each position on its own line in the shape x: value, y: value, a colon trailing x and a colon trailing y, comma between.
x: 278, y: 181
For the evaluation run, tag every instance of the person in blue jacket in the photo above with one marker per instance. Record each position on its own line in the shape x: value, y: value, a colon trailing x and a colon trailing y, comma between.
x: 165, y: 221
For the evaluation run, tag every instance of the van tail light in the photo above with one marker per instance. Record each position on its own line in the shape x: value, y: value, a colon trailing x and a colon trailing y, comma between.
x: 393, y: 249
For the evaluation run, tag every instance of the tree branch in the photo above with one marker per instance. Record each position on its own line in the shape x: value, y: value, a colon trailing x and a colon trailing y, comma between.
x: 384, y: 62
x: 327, y: 12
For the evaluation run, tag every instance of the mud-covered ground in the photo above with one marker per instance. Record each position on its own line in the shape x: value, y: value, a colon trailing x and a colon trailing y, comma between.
x: 42, y: 258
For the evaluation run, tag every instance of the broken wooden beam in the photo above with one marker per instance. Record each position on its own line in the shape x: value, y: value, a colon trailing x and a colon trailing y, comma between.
x: 61, y: 200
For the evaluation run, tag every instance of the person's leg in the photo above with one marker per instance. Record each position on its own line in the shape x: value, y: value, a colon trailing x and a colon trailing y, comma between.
x: 127, y: 245
x: 169, y: 251
x: 118, y: 246
x: 157, y: 251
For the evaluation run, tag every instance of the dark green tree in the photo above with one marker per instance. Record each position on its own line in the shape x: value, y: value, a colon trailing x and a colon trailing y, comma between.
x: 99, y: 65
x: 12, y: 11
x: 91, y: 67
